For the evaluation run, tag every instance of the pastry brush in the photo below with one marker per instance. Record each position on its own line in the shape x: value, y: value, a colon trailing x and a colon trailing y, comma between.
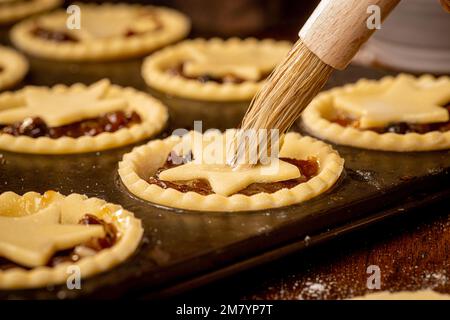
x: 328, y: 41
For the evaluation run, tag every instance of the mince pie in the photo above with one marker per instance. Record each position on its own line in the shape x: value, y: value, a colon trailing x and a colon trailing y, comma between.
x: 14, y: 10
x: 393, y: 114
x: 41, y: 236
x: 13, y: 67
x: 175, y: 173
x: 77, y: 119
x: 106, y: 32
x: 214, y: 70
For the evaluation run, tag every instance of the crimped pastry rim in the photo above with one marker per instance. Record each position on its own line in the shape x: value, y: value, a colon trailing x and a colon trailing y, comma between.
x: 177, y: 27
x: 154, y: 115
x: 22, y: 10
x: 192, y: 89
x: 331, y: 167
x: 322, y: 128
x: 131, y: 234
x: 15, y: 68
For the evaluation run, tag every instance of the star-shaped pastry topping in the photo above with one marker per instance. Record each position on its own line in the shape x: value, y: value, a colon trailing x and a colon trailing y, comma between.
x: 61, y: 108
x: 406, y: 100
x: 210, y: 163
x: 106, y: 24
x: 31, y: 240
x: 225, y: 180
x: 103, y: 24
x: 249, y: 63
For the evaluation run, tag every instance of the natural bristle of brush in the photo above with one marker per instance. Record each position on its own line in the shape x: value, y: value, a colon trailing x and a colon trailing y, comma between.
x: 286, y: 93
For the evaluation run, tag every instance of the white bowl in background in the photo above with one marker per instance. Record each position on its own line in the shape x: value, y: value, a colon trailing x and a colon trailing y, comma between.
x: 415, y: 37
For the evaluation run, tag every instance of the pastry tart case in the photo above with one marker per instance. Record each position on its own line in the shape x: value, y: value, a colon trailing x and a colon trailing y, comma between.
x: 185, y: 249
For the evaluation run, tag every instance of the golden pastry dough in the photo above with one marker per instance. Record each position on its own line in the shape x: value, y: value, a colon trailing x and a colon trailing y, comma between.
x: 14, y: 10
x: 406, y: 100
x: 249, y: 62
x: 247, y: 59
x: 62, y: 105
x: 211, y: 164
x: 31, y: 240
x: 33, y: 226
x: 13, y: 67
x: 104, y: 33
x: 403, y: 98
x: 225, y: 180
x: 61, y: 108
x: 137, y: 166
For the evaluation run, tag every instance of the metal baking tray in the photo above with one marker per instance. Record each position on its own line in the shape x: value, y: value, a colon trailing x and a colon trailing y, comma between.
x: 182, y: 249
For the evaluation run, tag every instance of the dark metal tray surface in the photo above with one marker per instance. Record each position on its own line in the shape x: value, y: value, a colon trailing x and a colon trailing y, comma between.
x: 181, y: 247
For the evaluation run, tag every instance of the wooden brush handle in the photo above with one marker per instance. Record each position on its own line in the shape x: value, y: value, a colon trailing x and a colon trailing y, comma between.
x: 337, y: 29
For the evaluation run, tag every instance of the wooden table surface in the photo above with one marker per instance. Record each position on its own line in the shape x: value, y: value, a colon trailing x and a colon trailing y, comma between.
x: 412, y: 252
